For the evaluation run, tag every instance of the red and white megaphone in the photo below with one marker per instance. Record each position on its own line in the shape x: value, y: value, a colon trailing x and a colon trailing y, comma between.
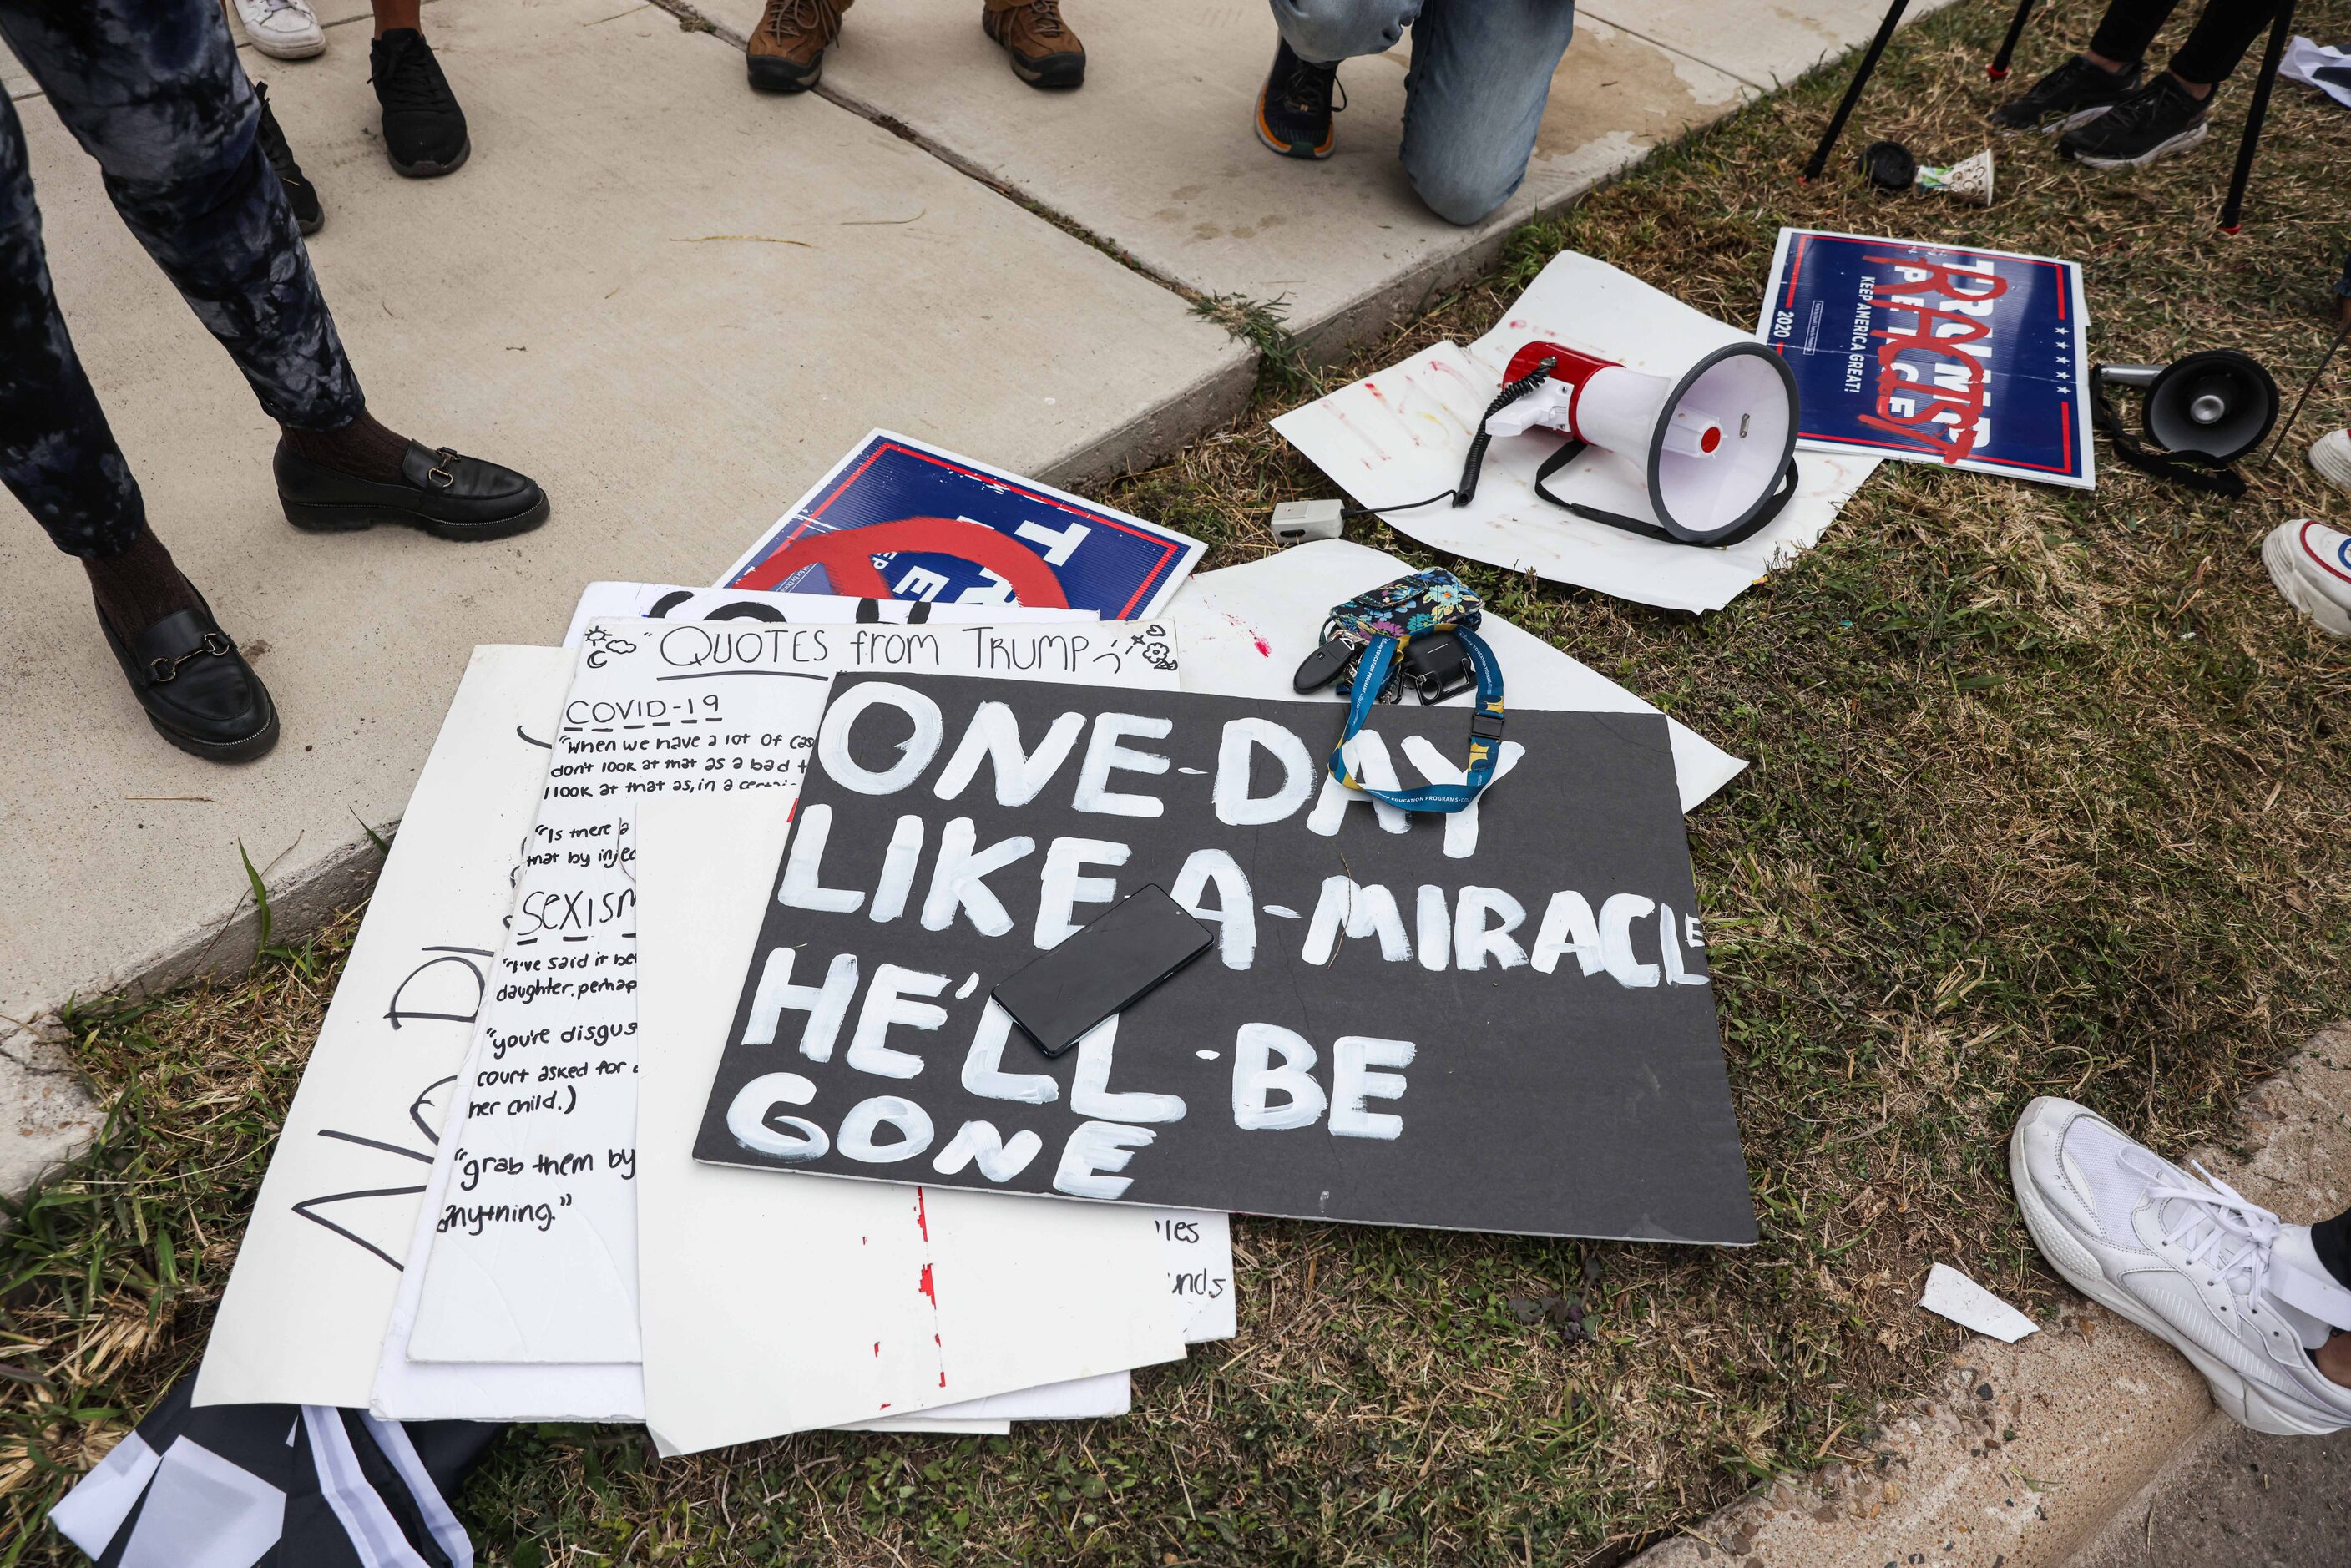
x: 1717, y: 445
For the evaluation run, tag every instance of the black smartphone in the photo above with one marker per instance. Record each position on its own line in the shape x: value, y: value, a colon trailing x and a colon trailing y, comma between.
x: 1106, y: 968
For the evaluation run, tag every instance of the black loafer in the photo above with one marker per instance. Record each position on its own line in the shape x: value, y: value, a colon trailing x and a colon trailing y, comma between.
x: 197, y: 689
x: 447, y: 495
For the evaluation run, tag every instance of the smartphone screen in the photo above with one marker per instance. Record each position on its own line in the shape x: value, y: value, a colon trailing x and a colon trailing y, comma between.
x: 1108, y: 966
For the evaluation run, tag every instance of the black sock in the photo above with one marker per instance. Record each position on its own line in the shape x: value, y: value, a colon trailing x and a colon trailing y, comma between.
x: 2331, y: 1239
x: 140, y: 586
x: 363, y: 449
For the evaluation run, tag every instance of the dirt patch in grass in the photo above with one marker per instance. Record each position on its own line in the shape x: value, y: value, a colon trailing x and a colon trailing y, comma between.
x: 2047, y: 797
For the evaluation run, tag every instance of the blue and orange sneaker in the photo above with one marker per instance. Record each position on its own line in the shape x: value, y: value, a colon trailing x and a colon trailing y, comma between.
x: 1293, y: 112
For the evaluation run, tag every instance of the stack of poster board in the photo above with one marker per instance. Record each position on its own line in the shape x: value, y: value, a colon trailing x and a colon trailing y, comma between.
x: 508, y: 1189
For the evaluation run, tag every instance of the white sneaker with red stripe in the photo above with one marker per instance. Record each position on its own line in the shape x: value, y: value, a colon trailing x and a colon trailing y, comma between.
x: 2331, y: 456
x: 2311, y: 564
x: 2238, y: 1293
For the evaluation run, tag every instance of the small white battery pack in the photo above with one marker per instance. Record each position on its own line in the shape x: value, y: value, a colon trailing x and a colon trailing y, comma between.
x: 1295, y: 522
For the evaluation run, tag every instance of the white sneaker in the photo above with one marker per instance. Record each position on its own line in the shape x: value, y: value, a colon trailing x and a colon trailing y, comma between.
x: 2311, y: 564
x: 282, y: 29
x: 2331, y: 456
x: 2238, y: 1293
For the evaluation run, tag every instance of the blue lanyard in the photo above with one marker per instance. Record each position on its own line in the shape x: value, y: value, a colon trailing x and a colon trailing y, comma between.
x: 1485, y: 725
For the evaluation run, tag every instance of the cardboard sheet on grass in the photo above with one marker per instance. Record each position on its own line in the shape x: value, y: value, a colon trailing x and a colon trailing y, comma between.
x: 1497, y: 1020
x: 1245, y: 629
x: 748, y: 1333
x: 1974, y: 358
x: 525, y: 1249
x: 1401, y: 435
x: 303, y: 1318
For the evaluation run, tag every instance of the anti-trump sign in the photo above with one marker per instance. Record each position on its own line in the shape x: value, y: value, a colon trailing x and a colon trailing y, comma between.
x: 1974, y: 358
x: 1501, y: 1019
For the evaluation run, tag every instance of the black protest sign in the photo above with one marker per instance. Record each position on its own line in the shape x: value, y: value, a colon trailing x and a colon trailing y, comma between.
x: 1499, y: 1020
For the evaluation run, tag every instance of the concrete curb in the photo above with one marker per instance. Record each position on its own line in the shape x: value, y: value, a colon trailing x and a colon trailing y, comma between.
x: 2021, y: 1456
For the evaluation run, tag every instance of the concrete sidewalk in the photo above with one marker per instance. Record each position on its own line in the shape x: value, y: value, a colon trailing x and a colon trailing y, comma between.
x: 674, y: 303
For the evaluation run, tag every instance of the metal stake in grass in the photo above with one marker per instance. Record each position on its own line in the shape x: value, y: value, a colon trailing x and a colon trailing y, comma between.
x: 2307, y: 388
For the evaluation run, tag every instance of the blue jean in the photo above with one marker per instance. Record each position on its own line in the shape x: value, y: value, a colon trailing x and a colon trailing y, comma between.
x: 152, y: 90
x: 1474, y: 97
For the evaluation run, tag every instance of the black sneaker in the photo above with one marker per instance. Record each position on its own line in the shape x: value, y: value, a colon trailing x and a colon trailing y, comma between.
x: 301, y: 195
x: 2074, y: 93
x: 2157, y: 121
x: 1293, y: 112
x: 424, y: 129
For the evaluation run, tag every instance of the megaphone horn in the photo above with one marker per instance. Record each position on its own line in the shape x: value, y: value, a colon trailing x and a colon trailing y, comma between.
x: 1715, y: 444
x: 2206, y: 410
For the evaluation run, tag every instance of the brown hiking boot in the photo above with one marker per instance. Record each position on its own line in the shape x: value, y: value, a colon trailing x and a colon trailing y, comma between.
x: 1044, y: 52
x: 786, y: 52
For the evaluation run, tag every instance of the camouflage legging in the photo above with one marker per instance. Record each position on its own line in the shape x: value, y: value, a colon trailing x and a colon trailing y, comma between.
x: 150, y: 88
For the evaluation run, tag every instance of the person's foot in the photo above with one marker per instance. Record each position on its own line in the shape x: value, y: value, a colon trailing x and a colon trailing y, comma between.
x: 1294, y: 109
x: 196, y: 688
x: 448, y: 495
x: 2311, y: 564
x: 2074, y: 93
x: 786, y: 50
x: 301, y: 195
x: 282, y: 29
x: 2241, y: 1295
x: 2159, y: 119
x: 1044, y: 52
x: 423, y: 128
x: 2331, y: 456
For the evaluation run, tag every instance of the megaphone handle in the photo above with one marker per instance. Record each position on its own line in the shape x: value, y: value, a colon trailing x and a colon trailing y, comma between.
x: 1467, y: 491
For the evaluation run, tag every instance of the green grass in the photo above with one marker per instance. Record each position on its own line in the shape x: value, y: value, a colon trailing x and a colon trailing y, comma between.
x: 2047, y: 797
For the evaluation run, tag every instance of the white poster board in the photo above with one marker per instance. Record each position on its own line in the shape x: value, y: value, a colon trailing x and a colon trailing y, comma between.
x: 854, y: 1299
x: 1245, y: 629
x: 525, y: 1250
x: 303, y: 1316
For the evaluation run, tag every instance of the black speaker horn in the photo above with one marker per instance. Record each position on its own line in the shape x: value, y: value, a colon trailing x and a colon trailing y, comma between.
x: 2201, y: 413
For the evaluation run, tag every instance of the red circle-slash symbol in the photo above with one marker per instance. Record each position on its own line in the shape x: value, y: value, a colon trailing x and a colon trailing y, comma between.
x: 847, y: 558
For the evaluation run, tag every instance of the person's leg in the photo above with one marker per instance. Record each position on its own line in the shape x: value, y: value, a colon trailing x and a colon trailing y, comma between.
x: 1325, y: 32
x: 1295, y: 106
x: 1474, y: 98
x: 2125, y: 30
x: 2219, y: 41
x: 59, y: 458
x: 423, y: 126
x: 151, y: 89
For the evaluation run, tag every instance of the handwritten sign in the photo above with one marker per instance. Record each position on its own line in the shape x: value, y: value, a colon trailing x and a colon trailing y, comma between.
x: 530, y: 1237
x: 1974, y: 358
x: 302, y: 1320
x: 1497, y: 1020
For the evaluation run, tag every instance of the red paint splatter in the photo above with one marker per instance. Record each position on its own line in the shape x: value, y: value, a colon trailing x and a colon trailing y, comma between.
x: 885, y: 1405
x: 1264, y: 648
x: 922, y: 1218
x: 926, y: 1287
x: 877, y: 1347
